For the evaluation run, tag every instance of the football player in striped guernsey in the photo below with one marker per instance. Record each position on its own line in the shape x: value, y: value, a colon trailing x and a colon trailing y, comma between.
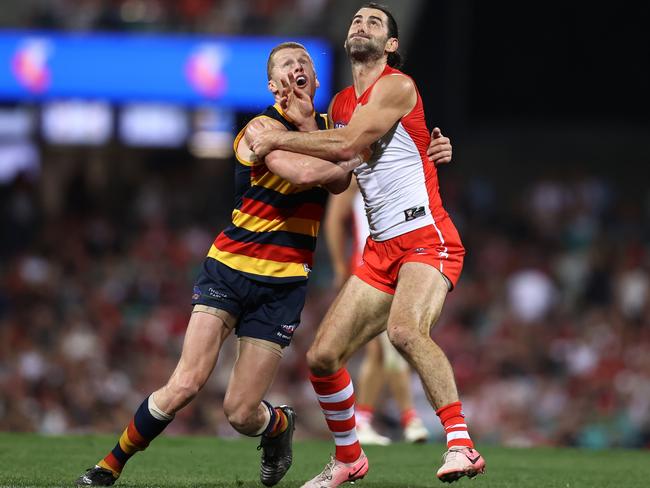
x: 252, y: 282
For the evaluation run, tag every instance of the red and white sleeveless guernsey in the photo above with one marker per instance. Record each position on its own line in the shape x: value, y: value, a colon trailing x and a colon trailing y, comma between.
x: 399, y: 184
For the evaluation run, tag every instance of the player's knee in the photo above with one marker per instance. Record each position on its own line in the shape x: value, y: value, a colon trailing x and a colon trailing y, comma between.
x: 403, y: 337
x: 322, y: 362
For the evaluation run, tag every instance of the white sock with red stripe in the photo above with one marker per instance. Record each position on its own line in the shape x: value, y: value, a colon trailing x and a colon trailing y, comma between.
x: 336, y: 398
x: 453, y: 421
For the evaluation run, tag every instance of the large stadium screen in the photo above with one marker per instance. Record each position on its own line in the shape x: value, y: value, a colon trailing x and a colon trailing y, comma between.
x: 191, y: 70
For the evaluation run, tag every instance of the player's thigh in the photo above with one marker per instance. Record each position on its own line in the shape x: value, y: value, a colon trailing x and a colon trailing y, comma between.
x: 358, y: 314
x: 253, y: 373
x: 205, y: 334
x: 419, y: 297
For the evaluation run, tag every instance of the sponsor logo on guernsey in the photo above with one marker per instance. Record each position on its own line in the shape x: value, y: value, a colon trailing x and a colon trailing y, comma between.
x: 338, y: 125
x: 414, y: 212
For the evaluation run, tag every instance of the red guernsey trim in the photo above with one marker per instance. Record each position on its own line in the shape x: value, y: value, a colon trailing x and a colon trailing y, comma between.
x: 270, y: 252
x: 341, y: 425
x: 309, y: 211
x: 328, y: 385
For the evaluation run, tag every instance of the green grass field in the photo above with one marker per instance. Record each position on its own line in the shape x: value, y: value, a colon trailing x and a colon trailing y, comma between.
x: 37, y: 461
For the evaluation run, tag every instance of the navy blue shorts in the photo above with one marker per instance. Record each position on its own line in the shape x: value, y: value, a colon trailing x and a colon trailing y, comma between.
x: 264, y: 311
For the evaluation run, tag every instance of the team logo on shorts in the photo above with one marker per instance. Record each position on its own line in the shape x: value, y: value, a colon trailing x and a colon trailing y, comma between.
x: 196, y: 293
x: 286, y: 331
x: 289, y: 328
x: 306, y: 267
x: 216, y: 293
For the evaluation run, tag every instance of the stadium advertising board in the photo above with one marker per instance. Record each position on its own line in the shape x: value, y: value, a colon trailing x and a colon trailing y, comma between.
x: 183, y: 69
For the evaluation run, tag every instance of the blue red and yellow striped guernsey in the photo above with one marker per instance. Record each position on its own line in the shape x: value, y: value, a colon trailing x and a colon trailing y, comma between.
x: 272, y: 236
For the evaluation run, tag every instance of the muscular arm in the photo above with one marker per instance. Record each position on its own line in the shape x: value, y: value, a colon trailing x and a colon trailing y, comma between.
x: 304, y: 170
x: 392, y: 97
x: 299, y: 169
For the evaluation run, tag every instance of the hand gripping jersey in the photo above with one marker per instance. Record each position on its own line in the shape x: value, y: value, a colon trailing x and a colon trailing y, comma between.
x: 399, y: 184
x: 274, y: 225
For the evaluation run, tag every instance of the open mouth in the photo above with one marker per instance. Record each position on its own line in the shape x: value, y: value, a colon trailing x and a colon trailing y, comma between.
x: 301, y: 80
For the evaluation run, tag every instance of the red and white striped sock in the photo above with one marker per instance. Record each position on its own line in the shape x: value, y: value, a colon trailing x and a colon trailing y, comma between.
x: 453, y: 421
x: 336, y: 398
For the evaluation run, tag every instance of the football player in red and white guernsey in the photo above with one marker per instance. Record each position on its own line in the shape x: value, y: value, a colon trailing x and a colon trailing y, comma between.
x: 411, y: 260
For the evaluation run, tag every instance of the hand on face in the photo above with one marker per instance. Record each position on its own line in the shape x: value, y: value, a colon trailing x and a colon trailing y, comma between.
x: 440, y: 149
x: 295, y: 102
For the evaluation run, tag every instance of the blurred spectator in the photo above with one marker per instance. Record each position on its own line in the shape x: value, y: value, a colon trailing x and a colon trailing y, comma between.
x: 238, y: 17
x: 549, y: 332
x: 548, y: 329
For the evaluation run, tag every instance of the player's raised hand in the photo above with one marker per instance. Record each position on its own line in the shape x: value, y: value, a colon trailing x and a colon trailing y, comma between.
x: 440, y: 149
x: 296, y: 103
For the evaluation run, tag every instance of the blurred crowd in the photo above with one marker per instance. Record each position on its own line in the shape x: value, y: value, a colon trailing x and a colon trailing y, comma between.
x: 235, y: 17
x: 548, y: 329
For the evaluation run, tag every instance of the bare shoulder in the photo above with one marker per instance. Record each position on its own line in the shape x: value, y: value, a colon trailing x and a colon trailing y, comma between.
x: 396, y: 91
x: 395, y: 84
x: 262, y: 122
x: 254, y: 127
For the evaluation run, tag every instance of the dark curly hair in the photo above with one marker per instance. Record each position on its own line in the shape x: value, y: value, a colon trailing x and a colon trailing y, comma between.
x: 394, y: 59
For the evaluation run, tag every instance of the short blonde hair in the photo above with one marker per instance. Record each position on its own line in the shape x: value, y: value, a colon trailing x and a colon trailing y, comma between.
x: 280, y: 47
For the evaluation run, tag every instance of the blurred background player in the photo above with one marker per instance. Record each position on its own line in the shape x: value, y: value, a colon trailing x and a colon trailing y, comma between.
x: 253, y: 281
x: 382, y: 364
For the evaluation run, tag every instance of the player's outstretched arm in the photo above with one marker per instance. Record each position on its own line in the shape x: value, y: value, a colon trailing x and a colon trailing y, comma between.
x: 392, y: 97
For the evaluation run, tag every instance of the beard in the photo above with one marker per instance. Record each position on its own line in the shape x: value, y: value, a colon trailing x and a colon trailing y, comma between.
x: 360, y: 51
